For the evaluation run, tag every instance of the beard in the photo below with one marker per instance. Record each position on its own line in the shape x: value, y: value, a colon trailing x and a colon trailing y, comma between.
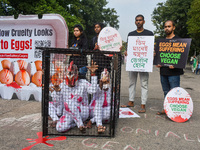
x: 168, y: 32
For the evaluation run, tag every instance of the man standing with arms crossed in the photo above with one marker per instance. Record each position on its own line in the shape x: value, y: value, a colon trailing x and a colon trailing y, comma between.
x: 144, y: 76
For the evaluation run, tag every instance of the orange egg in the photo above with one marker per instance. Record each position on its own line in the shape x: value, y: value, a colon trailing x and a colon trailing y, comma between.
x: 37, y: 78
x: 6, y: 76
x: 22, y: 64
x: 38, y: 65
x: 22, y: 78
x: 6, y: 64
x: 56, y: 80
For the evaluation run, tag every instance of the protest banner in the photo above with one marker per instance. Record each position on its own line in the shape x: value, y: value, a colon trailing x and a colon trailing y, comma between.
x: 140, y: 53
x: 109, y: 39
x: 172, y: 52
x: 178, y: 105
x: 21, y: 69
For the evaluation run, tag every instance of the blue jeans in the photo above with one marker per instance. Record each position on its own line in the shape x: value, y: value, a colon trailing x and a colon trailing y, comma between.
x: 169, y: 82
x: 198, y: 69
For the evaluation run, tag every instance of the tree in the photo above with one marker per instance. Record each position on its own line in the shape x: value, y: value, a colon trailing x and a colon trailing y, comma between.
x: 175, y: 10
x: 194, y: 24
x: 85, y: 12
x: 5, y: 9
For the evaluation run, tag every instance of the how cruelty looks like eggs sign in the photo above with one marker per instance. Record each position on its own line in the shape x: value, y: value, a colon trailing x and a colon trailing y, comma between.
x: 21, y: 61
x: 140, y: 53
x: 19, y: 42
x: 109, y: 39
x: 178, y: 105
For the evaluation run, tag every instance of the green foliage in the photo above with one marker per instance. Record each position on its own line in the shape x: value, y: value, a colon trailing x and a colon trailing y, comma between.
x: 84, y: 12
x: 194, y: 24
x: 5, y: 9
x: 124, y: 47
x: 185, y: 14
x: 175, y: 10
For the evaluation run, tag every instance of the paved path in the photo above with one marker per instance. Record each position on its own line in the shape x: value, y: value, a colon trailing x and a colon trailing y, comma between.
x: 20, y: 120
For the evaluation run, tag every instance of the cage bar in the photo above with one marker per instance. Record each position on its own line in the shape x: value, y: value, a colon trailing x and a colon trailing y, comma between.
x: 74, y: 97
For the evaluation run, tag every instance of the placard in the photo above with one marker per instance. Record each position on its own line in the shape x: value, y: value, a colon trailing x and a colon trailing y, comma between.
x: 109, y: 39
x: 140, y: 53
x: 21, y: 62
x: 178, y: 105
x: 172, y: 52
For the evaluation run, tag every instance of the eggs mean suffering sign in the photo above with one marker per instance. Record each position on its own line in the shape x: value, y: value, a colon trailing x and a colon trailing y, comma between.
x: 178, y: 105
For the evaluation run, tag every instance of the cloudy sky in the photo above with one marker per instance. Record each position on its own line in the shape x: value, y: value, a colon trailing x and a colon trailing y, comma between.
x: 128, y: 9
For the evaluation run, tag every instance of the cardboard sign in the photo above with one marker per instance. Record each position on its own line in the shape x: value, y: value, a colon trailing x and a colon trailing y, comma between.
x: 140, y: 53
x: 178, y: 105
x: 21, y: 62
x: 172, y: 52
x: 109, y: 39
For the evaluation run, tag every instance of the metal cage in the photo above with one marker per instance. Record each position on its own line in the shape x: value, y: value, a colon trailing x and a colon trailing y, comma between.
x: 73, y: 97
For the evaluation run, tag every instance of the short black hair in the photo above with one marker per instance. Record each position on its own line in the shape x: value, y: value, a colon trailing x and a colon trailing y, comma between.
x: 100, y: 24
x: 139, y: 16
x: 173, y: 23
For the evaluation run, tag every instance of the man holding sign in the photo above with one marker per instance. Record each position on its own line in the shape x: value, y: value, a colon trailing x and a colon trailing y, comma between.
x: 144, y: 75
x: 169, y: 75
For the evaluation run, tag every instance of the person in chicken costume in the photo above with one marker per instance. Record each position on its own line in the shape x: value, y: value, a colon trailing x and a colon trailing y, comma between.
x: 57, y: 81
x: 56, y: 105
x: 75, y: 98
x: 101, y: 103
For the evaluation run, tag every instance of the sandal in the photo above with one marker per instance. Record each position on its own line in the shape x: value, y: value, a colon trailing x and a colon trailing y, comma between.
x: 82, y: 129
x: 142, y: 110
x: 89, y: 124
x: 101, y: 129
x: 161, y: 112
x: 53, y: 124
x: 130, y: 104
x: 49, y: 118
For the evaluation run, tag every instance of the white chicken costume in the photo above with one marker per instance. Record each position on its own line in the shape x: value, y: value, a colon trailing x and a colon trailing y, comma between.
x: 56, y: 105
x: 100, y: 105
x: 75, y: 99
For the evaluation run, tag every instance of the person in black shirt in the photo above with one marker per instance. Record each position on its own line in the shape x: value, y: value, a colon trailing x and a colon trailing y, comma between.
x: 80, y: 42
x: 79, y: 39
x: 144, y: 76
x: 169, y: 76
x: 101, y: 60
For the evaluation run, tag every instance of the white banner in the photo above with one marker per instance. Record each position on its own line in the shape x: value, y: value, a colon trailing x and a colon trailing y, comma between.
x: 140, y: 53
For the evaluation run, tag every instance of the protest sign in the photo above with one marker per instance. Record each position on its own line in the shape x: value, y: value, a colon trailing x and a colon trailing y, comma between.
x: 140, y: 53
x: 172, y: 52
x: 178, y: 105
x: 21, y: 62
x: 109, y: 39
x: 127, y: 113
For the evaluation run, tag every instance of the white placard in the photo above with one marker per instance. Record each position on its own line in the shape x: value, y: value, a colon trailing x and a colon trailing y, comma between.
x: 109, y: 39
x: 140, y: 53
x: 178, y: 105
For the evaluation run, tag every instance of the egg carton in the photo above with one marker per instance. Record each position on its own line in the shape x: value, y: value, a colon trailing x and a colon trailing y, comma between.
x: 22, y: 92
